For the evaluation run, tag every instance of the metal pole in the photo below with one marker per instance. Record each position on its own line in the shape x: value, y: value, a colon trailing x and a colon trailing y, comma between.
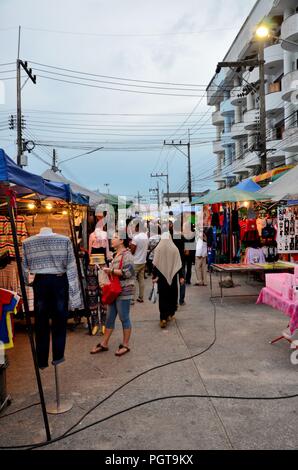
x: 263, y: 147
x: 75, y: 246
x: 19, y: 116
x: 28, y: 320
x: 189, y: 169
x: 168, y: 186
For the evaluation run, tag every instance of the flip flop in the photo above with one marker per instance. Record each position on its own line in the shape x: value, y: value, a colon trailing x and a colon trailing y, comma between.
x: 98, y: 349
x: 122, y: 347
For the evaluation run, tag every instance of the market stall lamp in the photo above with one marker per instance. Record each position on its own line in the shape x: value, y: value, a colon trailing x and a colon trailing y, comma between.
x: 31, y: 206
x: 49, y: 206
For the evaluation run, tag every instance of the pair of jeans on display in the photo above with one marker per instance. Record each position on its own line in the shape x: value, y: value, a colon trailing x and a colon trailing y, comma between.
x: 50, y: 302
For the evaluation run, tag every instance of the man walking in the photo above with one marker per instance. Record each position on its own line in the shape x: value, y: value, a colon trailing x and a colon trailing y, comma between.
x: 139, y: 247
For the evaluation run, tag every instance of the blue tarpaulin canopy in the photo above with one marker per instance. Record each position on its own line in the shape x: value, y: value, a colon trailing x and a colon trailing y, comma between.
x: 10, y: 172
x: 248, y: 185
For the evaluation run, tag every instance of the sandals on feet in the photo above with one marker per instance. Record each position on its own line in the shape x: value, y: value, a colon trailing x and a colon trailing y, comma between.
x: 121, y: 346
x: 98, y: 349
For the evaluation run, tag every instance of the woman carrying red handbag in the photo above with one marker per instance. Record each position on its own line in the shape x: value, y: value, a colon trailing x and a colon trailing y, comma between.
x: 122, y: 267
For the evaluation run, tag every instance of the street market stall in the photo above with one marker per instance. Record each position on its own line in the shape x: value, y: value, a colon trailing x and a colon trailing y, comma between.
x: 14, y: 182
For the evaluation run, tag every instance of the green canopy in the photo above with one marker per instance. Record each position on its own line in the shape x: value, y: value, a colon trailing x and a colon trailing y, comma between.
x: 230, y: 195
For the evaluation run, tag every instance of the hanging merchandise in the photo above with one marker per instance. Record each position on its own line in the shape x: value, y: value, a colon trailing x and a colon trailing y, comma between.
x: 287, y: 233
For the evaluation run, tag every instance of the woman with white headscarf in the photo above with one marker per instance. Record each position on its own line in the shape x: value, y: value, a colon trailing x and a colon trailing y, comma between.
x: 167, y: 266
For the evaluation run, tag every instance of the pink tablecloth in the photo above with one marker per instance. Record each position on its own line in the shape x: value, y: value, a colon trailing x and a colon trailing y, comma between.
x: 288, y: 307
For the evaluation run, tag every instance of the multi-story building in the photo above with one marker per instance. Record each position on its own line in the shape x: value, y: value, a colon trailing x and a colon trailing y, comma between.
x: 236, y: 116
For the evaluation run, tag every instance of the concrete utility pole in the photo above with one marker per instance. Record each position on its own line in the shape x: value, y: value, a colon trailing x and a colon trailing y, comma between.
x: 181, y: 144
x: 32, y: 77
x: 263, y: 146
x: 139, y: 198
x: 251, y: 64
x: 164, y: 175
x: 55, y: 162
x: 156, y: 190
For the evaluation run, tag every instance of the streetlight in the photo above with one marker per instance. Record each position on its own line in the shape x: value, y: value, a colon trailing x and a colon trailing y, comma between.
x: 107, y: 186
x: 262, y: 33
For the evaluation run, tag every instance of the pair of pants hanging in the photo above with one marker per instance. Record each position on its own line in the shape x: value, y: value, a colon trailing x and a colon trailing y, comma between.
x: 50, y: 302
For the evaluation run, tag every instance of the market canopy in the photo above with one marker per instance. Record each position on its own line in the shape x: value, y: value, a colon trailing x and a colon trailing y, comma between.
x: 248, y: 185
x: 231, y: 195
x: 10, y: 172
x: 285, y: 188
x: 94, y: 197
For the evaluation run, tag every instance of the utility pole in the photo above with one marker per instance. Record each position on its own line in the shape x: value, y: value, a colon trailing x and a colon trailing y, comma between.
x: 55, y: 162
x: 164, y: 175
x: 263, y: 146
x: 181, y: 144
x: 32, y: 77
x: 139, y: 198
x: 157, y: 197
x: 260, y: 85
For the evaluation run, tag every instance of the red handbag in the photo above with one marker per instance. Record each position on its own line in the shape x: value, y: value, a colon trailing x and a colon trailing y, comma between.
x: 113, y: 289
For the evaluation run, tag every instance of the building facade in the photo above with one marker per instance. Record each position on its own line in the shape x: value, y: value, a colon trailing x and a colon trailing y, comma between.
x: 235, y: 98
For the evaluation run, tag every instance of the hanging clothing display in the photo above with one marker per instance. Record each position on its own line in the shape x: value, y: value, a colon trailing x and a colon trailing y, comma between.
x: 6, y: 238
x: 58, y: 222
x: 98, y: 310
x: 9, y: 279
x: 8, y: 306
x: 56, y: 286
x: 53, y: 254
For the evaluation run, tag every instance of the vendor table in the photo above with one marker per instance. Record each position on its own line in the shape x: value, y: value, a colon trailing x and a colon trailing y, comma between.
x: 278, y: 267
x: 288, y: 307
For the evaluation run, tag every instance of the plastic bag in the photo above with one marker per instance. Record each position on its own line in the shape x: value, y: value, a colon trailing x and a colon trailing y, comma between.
x: 103, y: 278
x: 153, y: 294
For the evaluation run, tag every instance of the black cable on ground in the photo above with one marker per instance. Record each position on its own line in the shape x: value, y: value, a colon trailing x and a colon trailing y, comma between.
x: 70, y: 431
x: 18, y: 411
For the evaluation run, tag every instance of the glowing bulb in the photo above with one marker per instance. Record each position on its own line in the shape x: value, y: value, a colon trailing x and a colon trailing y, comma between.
x: 49, y: 207
x: 64, y: 212
x: 262, y: 32
x: 246, y: 204
x: 31, y: 206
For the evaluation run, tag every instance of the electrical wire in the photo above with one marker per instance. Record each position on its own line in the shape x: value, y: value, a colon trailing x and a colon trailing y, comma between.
x: 71, y: 432
x: 19, y: 410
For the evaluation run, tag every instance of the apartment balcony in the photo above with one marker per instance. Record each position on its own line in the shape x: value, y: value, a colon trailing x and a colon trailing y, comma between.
x: 254, y: 75
x: 238, y: 131
x: 218, y: 178
x: 226, y: 139
x: 250, y: 160
x: 275, y: 152
x: 217, y: 118
x: 290, y: 140
x: 251, y: 119
x: 217, y: 147
x: 226, y: 108
x: 235, y: 100
x: 274, y: 57
x: 290, y: 85
x: 289, y: 32
x: 274, y: 101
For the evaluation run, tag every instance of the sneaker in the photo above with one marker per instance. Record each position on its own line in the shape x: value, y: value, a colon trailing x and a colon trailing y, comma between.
x: 163, y: 323
x: 140, y: 300
x: 182, y: 303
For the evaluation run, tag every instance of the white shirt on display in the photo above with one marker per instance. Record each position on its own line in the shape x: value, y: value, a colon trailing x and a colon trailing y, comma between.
x: 141, y: 242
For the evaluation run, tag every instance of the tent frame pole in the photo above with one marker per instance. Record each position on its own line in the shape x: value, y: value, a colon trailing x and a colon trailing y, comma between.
x: 76, y: 252
x: 11, y: 213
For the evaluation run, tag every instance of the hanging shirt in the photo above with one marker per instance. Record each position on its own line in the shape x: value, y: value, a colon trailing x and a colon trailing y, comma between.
x: 99, y: 239
x: 6, y: 238
x: 52, y: 254
x: 8, y: 305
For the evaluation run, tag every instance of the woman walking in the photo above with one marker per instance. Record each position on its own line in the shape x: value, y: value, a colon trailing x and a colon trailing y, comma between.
x: 123, y: 267
x: 167, y: 267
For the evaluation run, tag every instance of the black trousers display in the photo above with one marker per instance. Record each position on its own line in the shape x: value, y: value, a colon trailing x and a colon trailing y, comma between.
x: 50, y: 302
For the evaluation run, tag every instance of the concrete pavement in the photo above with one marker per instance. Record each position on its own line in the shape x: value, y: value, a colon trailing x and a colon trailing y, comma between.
x: 240, y: 363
